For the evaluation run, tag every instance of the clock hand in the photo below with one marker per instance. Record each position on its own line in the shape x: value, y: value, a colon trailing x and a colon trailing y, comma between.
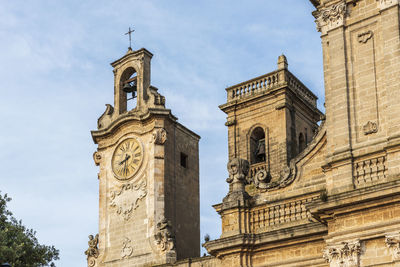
x: 126, y: 158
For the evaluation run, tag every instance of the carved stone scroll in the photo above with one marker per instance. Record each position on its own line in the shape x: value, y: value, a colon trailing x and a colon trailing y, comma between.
x: 160, y: 136
x: 370, y: 127
x: 127, y: 249
x: 346, y: 254
x: 331, y: 17
x: 364, y: 36
x: 96, y: 158
x: 127, y: 198
x: 164, y: 237
x: 261, y: 179
x: 393, y: 243
x: 92, y: 252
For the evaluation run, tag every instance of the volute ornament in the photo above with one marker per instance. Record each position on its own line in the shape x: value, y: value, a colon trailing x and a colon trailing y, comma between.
x: 370, y: 127
x: 127, y: 198
x: 96, y: 158
x: 164, y: 237
x: 261, y: 179
x: 160, y: 136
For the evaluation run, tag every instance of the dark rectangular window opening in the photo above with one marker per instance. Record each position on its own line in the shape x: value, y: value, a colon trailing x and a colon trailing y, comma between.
x: 184, y: 159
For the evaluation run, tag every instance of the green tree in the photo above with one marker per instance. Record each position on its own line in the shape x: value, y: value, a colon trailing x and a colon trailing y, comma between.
x: 18, y: 245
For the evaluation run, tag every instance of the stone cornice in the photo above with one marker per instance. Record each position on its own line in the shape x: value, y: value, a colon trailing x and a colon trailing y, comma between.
x: 131, y: 116
x: 131, y: 53
x: 276, y: 238
x: 356, y: 199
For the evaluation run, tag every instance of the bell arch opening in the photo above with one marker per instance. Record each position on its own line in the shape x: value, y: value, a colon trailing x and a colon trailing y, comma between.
x: 257, y: 146
x: 302, y: 142
x: 128, y: 90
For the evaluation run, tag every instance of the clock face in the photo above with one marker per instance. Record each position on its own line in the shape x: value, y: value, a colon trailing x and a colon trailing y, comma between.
x: 127, y: 158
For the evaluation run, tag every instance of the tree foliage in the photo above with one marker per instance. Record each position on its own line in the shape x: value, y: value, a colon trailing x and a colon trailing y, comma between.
x: 18, y: 244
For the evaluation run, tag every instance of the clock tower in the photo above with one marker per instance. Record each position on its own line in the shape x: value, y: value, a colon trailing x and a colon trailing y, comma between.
x: 148, y: 178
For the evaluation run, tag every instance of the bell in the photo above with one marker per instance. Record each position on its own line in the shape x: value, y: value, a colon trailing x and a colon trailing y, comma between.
x: 127, y: 88
x: 261, y: 150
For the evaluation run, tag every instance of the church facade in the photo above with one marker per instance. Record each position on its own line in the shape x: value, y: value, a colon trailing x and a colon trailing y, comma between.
x: 304, y: 188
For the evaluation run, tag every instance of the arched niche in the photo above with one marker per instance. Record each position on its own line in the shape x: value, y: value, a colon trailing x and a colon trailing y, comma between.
x: 128, y: 79
x: 257, y: 145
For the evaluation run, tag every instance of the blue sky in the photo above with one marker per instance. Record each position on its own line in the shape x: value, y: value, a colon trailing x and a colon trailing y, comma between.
x: 55, y: 79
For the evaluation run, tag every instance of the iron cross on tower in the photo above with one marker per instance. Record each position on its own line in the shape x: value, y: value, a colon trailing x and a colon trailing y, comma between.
x: 130, y: 40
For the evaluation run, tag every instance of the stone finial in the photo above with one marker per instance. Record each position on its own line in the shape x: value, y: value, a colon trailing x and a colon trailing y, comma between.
x: 238, y: 170
x: 282, y: 62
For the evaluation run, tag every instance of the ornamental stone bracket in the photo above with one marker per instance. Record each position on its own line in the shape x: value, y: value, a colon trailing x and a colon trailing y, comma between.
x: 127, y: 198
x: 92, y: 252
x: 160, y: 136
x: 331, y: 17
x: 346, y: 254
x: 164, y: 237
x: 364, y: 37
x: 393, y: 243
x: 96, y: 158
x: 384, y: 4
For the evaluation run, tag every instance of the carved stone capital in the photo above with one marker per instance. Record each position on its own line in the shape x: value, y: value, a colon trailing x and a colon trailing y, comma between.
x: 331, y: 17
x: 160, y: 136
x: 238, y: 170
x: 92, y: 252
x: 346, y: 254
x: 126, y: 199
x: 164, y: 237
x: 384, y: 4
x: 393, y: 243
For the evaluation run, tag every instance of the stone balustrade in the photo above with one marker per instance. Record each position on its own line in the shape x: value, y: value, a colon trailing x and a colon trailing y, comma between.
x: 270, y: 81
x: 279, y: 214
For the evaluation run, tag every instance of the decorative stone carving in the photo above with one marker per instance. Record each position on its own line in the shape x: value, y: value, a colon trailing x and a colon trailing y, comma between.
x: 96, y: 158
x: 127, y: 198
x: 238, y: 170
x: 261, y: 179
x: 364, y: 36
x: 106, y: 118
x: 370, y: 127
x: 383, y: 4
x: 93, y: 251
x: 393, y: 243
x: 160, y: 136
x: 165, y: 239
x: 127, y: 249
x: 230, y: 122
x: 346, y: 254
x: 331, y: 17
